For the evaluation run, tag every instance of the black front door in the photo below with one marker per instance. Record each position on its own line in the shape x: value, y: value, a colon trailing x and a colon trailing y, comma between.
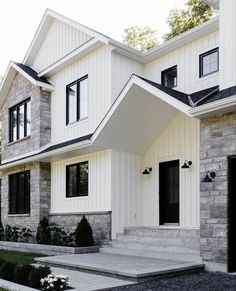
x: 232, y: 215
x: 169, y: 192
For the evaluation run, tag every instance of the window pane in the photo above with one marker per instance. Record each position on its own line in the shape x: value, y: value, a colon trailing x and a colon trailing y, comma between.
x: 209, y: 63
x: 21, y: 119
x: 71, y: 181
x: 21, y: 192
x: 13, y: 193
x: 72, y: 103
x: 28, y: 118
x: 83, y: 179
x: 27, y: 192
x: 13, y: 125
x: 169, y: 77
x: 84, y: 98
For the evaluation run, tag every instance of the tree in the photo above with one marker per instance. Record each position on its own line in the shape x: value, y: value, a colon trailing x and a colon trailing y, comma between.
x: 84, y: 234
x: 181, y: 20
x: 140, y: 38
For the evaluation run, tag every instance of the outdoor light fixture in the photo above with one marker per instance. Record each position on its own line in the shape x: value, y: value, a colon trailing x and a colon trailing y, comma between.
x: 187, y: 164
x: 147, y: 171
x: 210, y: 176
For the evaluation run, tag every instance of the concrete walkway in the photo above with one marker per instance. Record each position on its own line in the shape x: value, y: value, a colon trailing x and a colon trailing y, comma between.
x: 129, y: 267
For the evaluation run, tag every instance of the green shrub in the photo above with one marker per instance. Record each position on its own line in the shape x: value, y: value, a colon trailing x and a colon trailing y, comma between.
x: 25, y: 234
x: 2, y: 261
x: 7, y: 271
x: 1, y: 231
x: 21, y: 274
x: 43, y: 235
x: 84, y: 234
x: 36, y: 275
x: 11, y: 233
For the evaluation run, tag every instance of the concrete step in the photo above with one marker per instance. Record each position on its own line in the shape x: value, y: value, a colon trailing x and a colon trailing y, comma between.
x: 162, y: 232
x: 122, y: 266
x: 159, y: 241
x: 159, y: 253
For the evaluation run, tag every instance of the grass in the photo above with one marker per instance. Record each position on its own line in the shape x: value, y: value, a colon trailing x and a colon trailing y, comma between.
x: 18, y: 257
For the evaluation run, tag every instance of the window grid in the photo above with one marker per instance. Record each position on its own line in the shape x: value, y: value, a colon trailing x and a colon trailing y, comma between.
x: 209, y: 63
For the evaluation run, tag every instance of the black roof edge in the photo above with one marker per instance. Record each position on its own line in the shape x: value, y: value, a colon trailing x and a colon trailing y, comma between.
x: 54, y: 147
x: 32, y: 73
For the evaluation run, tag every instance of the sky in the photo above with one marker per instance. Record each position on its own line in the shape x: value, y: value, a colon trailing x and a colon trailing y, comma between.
x: 19, y: 20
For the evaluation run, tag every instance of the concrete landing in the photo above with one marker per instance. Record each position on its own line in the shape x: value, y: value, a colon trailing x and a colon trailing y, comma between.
x: 126, y: 267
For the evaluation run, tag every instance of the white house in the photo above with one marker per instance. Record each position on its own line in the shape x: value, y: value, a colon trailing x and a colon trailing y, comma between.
x: 142, y: 144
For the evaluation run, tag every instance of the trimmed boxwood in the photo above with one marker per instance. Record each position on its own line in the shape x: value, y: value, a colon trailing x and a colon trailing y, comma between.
x: 36, y: 275
x: 84, y: 234
x: 43, y: 235
x: 21, y: 274
x: 7, y: 271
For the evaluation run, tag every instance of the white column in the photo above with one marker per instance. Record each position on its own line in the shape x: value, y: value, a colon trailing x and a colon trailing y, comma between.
x: 227, y: 51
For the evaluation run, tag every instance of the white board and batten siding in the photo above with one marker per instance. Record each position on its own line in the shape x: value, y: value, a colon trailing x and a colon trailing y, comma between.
x: 179, y: 140
x: 125, y: 190
x: 99, y: 196
x: 61, y: 39
x: 187, y: 60
x: 97, y: 66
x: 122, y: 69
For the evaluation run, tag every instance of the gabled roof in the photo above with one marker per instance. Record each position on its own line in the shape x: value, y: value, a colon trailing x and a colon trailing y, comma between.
x: 27, y: 72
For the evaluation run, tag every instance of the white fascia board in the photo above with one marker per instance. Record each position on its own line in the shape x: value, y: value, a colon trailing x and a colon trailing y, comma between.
x: 183, y: 39
x: 71, y: 57
x: 45, y: 23
x: 36, y: 156
x: 134, y: 80
x: 218, y: 106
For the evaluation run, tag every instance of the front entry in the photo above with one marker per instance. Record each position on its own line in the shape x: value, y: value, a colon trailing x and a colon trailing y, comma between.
x: 169, y: 192
x: 232, y: 215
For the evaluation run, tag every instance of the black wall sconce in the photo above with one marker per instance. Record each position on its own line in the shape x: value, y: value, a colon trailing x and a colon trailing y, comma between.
x: 210, y: 176
x: 147, y: 171
x: 187, y: 164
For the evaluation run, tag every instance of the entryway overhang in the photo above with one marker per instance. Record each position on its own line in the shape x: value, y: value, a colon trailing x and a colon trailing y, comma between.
x: 139, y: 114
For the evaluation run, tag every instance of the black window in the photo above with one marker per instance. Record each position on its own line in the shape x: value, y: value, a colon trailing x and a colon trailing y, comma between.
x: 77, y: 180
x: 169, y: 77
x: 209, y: 62
x: 20, y: 118
x: 77, y: 100
x: 19, y: 193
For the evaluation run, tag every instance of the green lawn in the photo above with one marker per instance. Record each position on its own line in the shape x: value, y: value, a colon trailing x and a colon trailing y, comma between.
x: 18, y: 257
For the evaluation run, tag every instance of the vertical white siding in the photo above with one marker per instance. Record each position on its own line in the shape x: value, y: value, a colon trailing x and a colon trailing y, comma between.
x: 187, y: 60
x: 99, y: 198
x: 125, y: 190
x: 121, y: 70
x: 97, y: 66
x: 61, y: 39
x: 179, y: 140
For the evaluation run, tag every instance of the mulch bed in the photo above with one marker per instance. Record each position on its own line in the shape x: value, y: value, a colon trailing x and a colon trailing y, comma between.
x: 188, y: 282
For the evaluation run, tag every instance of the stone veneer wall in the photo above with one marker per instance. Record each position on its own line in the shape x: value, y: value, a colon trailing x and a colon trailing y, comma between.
x: 100, y: 223
x: 218, y: 141
x: 20, y: 90
x: 39, y: 196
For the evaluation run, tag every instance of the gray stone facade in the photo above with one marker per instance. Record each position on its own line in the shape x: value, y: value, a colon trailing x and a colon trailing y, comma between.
x: 100, y: 224
x: 39, y: 196
x: 20, y: 90
x: 218, y: 141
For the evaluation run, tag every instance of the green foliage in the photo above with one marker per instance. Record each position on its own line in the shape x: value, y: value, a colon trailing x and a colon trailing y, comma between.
x: 84, y: 234
x: 7, y: 271
x: 181, y: 20
x: 140, y: 38
x: 36, y: 275
x: 21, y: 274
x: 60, y: 238
x: 43, y: 235
x: 11, y: 233
x: 1, y: 231
x: 25, y: 234
x: 2, y: 261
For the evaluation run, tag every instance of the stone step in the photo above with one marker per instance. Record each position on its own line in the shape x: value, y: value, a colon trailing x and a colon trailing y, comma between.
x: 159, y: 241
x: 162, y: 232
x: 161, y: 253
x: 122, y: 266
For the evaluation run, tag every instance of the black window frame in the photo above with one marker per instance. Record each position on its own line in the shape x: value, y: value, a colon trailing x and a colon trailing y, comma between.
x: 77, y: 82
x: 173, y: 68
x: 26, y: 207
x: 201, y: 57
x: 78, y: 194
x: 17, y: 108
